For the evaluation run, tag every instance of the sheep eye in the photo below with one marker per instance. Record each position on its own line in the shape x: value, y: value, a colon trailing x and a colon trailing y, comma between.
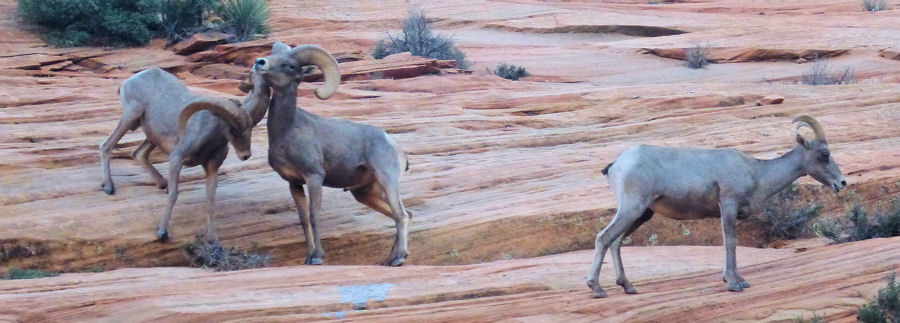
x: 824, y: 156
x: 292, y: 67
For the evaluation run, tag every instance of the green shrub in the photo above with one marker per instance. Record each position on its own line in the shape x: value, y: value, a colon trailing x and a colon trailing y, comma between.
x: 784, y: 215
x: 17, y: 273
x: 244, y: 18
x: 181, y: 18
x: 93, y: 22
x: 212, y: 255
x: 510, y: 72
x: 885, y: 307
x: 419, y: 39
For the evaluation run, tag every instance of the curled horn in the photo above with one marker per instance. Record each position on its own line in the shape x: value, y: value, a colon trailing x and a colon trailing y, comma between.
x: 228, y: 110
x: 807, y: 121
x: 315, y: 55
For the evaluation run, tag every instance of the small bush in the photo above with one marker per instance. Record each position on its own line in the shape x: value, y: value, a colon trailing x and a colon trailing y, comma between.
x: 212, y: 255
x: 510, y: 72
x: 858, y: 225
x: 786, y: 219
x: 885, y: 307
x: 244, y: 18
x: 820, y: 74
x: 815, y: 319
x: 419, y: 39
x: 875, y: 5
x: 382, y: 49
x: 17, y: 273
x: 93, y: 22
x: 697, y: 57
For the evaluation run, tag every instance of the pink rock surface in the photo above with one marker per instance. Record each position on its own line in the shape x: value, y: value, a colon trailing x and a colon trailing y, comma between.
x: 500, y: 169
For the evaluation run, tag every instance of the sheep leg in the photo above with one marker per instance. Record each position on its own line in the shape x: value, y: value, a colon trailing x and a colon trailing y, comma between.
x: 212, y: 173
x: 729, y: 212
x: 129, y: 120
x: 142, y: 155
x: 314, y: 183
x: 175, y: 164
x: 373, y: 196
x: 621, y: 280
x: 625, y: 217
x: 299, y: 195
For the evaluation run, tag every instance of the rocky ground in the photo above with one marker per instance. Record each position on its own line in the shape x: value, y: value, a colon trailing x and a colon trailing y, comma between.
x: 502, y: 172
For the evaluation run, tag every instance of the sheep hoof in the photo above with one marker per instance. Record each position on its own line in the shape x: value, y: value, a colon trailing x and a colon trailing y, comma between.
x: 162, y: 236
x: 163, y: 186
x: 745, y: 284
x: 314, y: 261
x: 109, y: 189
x: 397, y: 262
x: 629, y: 288
x: 595, y: 287
x: 735, y: 287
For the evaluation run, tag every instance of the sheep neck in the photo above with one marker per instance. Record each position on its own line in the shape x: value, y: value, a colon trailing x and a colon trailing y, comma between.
x: 776, y: 174
x: 282, y: 111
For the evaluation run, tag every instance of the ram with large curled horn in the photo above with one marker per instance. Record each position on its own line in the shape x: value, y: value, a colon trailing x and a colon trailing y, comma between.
x: 689, y: 183
x: 190, y: 128
x: 315, y: 151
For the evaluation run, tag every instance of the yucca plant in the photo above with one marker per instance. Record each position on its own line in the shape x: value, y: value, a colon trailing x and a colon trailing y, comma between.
x: 244, y: 18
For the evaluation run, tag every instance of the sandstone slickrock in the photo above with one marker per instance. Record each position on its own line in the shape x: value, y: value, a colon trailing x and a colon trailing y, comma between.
x: 680, y: 283
x: 500, y: 170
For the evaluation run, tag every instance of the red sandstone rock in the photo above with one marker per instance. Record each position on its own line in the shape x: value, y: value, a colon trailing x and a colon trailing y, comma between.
x: 200, y: 42
x: 499, y: 169
x: 771, y: 99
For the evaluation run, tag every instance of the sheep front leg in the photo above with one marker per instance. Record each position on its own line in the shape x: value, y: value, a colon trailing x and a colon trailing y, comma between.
x: 212, y: 173
x: 175, y: 164
x: 735, y: 282
x: 128, y: 121
x: 314, y: 183
x: 302, y: 204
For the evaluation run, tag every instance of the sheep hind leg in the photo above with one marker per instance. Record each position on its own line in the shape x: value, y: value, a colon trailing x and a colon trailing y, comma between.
x: 142, y: 155
x: 621, y: 280
x: 625, y: 217
x: 373, y: 196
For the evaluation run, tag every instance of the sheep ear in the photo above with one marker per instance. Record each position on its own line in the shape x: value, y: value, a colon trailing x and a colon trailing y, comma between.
x: 309, y: 69
x: 802, y: 141
x: 245, y: 87
x: 280, y: 47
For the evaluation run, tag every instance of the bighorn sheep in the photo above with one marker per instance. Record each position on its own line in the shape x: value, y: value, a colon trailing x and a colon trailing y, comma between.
x: 192, y: 129
x: 683, y: 183
x: 317, y: 151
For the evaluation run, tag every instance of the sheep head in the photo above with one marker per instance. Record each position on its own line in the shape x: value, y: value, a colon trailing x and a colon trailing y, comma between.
x: 817, y: 160
x: 237, y: 119
x: 288, y: 65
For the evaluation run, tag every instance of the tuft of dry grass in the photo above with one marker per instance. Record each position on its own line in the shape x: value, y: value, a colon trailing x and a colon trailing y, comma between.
x: 875, y: 5
x: 820, y: 74
x: 205, y: 254
x: 697, y: 57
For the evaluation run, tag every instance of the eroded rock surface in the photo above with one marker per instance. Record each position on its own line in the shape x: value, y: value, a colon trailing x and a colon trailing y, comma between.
x: 499, y: 169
